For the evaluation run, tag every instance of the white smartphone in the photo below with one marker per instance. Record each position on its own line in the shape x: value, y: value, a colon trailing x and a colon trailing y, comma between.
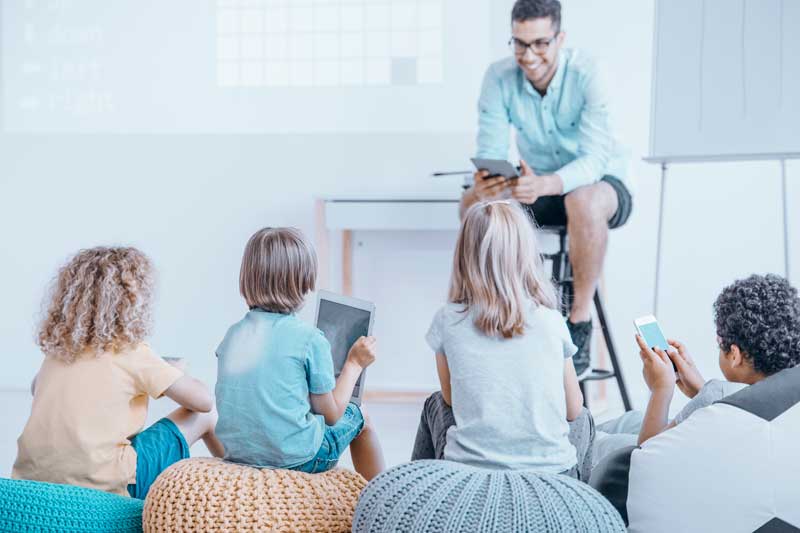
x: 647, y: 326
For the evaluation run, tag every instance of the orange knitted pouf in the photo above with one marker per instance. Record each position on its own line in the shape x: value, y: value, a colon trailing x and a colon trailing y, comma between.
x: 212, y: 495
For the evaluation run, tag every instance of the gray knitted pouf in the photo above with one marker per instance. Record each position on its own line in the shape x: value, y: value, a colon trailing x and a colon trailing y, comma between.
x: 442, y: 496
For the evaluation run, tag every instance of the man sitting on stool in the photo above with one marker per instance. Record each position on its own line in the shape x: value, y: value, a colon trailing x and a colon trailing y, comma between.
x: 573, y: 169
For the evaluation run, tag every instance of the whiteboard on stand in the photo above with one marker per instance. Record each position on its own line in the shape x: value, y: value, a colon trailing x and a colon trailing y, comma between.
x: 726, y: 76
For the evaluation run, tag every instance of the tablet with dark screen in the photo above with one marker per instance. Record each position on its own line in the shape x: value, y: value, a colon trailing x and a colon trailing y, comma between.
x: 343, y: 320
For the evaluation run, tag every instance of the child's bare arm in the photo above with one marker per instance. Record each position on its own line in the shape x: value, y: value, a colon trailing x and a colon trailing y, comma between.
x: 331, y: 405
x: 659, y: 375
x: 444, y: 378
x: 572, y: 391
x: 655, y: 416
x: 192, y: 394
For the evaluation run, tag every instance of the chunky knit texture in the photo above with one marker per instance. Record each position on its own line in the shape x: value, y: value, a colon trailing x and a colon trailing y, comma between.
x: 211, y: 495
x: 50, y: 508
x: 447, y: 497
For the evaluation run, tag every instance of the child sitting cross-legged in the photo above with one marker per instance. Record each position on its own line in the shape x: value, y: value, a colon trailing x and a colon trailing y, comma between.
x: 90, y: 395
x: 509, y: 394
x: 279, y: 403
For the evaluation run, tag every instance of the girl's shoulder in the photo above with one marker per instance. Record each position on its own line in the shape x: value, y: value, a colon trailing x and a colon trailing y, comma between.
x: 451, y: 313
x: 546, y: 320
x: 541, y: 313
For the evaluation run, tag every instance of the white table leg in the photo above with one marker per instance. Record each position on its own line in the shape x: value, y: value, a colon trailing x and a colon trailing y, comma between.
x: 322, y: 245
x: 347, y: 262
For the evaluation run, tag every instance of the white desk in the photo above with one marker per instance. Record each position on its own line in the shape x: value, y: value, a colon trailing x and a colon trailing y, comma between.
x: 422, y: 212
x: 401, y: 212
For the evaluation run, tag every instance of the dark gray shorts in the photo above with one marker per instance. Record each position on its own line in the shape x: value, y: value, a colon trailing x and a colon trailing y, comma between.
x: 551, y: 211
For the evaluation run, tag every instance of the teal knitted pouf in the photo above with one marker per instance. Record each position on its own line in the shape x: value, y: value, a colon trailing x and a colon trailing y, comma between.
x: 447, y: 497
x: 47, y: 507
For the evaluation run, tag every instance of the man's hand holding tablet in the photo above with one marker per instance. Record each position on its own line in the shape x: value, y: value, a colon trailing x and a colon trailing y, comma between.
x: 529, y: 186
x: 492, y: 179
x: 488, y: 187
x: 497, y: 178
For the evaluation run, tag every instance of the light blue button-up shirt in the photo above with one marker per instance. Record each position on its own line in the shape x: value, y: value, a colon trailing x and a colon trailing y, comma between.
x: 565, y: 132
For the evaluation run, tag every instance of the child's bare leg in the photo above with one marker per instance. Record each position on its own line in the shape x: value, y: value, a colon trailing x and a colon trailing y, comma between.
x: 213, y: 444
x: 196, y: 426
x: 366, y: 451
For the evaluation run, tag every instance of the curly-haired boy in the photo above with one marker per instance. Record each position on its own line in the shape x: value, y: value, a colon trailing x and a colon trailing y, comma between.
x: 758, y: 332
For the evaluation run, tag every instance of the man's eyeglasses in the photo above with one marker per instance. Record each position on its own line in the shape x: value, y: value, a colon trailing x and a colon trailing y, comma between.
x: 539, y: 46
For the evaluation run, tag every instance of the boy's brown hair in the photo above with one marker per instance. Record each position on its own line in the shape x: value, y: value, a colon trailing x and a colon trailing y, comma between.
x: 279, y: 268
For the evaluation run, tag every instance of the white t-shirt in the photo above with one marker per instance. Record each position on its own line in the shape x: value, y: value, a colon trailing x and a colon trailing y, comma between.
x: 508, y: 394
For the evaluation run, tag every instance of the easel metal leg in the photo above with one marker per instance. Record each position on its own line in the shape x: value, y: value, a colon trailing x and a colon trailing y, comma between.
x: 786, y: 250
x: 660, y: 234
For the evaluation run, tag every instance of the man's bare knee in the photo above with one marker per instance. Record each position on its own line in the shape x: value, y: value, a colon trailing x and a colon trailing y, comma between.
x: 591, y: 203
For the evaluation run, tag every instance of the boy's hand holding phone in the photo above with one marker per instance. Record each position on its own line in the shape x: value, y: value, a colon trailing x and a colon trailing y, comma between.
x: 363, y: 352
x: 690, y: 381
x: 659, y: 375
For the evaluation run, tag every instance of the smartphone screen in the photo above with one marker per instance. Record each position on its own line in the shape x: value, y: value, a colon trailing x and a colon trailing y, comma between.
x: 653, y: 336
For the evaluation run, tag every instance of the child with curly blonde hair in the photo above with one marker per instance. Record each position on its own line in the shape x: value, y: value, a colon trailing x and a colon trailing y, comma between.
x: 90, y: 395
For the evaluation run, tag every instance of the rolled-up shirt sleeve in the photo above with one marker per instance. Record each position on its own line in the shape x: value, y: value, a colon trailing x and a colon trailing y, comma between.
x: 595, y: 140
x: 493, y: 118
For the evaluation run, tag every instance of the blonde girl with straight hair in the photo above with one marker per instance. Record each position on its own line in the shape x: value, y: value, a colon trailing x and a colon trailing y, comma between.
x: 280, y: 405
x: 503, y: 354
x: 90, y: 396
x: 498, y: 271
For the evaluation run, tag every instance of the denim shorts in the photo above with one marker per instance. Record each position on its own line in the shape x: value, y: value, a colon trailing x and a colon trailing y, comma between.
x: 336, y: 439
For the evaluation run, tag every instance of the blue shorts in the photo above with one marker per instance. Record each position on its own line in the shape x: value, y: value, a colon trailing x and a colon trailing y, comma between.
x: 157, y: 447
x: 335, y: 440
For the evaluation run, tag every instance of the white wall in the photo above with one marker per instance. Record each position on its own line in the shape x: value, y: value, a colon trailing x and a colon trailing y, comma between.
x: 191, y: 201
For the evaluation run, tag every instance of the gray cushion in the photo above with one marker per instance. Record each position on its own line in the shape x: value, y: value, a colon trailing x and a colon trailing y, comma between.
x: 443, y: 496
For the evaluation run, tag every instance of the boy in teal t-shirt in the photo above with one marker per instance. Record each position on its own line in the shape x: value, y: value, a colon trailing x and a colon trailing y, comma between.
x: 268, y: 364
x: 278, y: 401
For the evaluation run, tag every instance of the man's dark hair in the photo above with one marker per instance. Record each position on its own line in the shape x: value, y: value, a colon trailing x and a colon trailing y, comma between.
x: 534, y: 9
x: 760, y: 315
